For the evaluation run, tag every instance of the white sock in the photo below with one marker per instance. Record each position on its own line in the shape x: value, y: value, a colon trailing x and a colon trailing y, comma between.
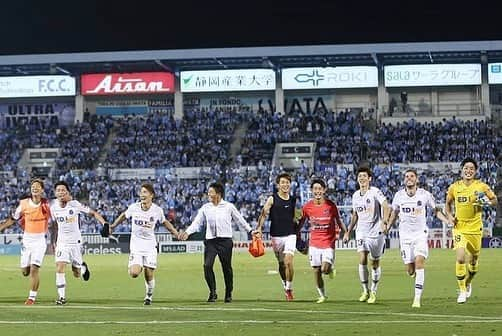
x: 150, y: 286
x: 33, y: 295
x: 61, y: 284
x: 83, y: 269
x: 321, y: 292
x: 283, y: 283
x: 363, y: 276
x: 289, y: 285
x: 375, y: 277
x: 419, y: 282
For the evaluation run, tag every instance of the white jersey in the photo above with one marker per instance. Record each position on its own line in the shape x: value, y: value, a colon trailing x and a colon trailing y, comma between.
x: 67, y: 218
x: 143, y: 226
x: 368, y: 207
x: 412, y: 213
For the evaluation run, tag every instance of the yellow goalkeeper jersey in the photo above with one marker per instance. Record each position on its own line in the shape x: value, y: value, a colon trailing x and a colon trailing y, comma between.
x: 467, y: 213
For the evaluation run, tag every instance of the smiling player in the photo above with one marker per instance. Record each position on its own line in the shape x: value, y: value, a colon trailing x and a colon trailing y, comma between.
x: 144, y: 215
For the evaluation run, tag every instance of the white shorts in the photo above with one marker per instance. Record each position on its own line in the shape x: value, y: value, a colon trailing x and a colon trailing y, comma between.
x: 375, y: 246
x: 33, y: 252
x: 284, y: 245
x: 318, y: 256
x: 412, y: 248
x: 143, y: 259
x: 70, y: 254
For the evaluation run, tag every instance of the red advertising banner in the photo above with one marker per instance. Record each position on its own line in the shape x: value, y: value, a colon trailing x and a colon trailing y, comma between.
x: 127, y: 83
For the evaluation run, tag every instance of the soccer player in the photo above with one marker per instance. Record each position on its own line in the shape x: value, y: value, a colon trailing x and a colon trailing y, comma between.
x: 469, y: 195
x: 33, y: 214
x: 410, y: 204
x: 281, y: 209
x: 144, y: 215
x: 324, y: 219
x: 65, y: 214
x: 367, y: 204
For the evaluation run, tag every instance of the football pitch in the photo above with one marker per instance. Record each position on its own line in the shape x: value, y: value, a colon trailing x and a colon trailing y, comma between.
x: 111, y: 303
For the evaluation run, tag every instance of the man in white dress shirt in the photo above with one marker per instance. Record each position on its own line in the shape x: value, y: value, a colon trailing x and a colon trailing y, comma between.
x: 217, y: 217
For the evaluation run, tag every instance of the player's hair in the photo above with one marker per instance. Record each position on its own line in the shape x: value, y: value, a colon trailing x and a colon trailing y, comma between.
x: 469, y: 159
x: 63, y: 183
x: 148, y: 187
x: 37, y: 180
x: 318, y: 181
x: 282, y: 175
x: 218, y: 188
x: 411, y: 170
x: 366, y: 170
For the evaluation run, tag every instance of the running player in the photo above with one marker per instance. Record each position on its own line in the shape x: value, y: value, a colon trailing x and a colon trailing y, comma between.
x: 367, y: 204
x: 324, y: 219
x: 33, y: 214
x: 144, y: 215
x: 410, y: 204
x: 65, y: 214
x: 281, y: 208
x: 470, y: 196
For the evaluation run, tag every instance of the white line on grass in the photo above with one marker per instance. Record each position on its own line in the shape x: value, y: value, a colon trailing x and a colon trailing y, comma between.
x: 248, y: 309
x: 309, y: 322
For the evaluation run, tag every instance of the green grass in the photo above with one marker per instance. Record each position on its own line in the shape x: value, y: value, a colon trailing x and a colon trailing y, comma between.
x: 111, y: 302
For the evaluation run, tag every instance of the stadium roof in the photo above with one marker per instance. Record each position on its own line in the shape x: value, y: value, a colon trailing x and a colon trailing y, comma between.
x: 252, y: 57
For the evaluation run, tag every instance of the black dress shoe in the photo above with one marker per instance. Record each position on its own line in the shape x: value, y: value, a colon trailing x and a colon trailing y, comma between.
x: 212, y: 297
x: 228, y: 299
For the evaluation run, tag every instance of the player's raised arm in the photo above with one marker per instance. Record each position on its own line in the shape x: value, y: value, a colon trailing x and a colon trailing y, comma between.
x: 264, y: 213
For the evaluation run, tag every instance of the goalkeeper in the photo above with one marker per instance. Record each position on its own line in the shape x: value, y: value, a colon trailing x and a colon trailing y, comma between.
x: 468, y: 196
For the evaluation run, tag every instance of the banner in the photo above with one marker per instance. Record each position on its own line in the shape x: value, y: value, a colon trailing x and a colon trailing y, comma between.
x: 37, y: 86
x: 492, y: 242
x: 182, y: 247
x: 432, y: 75
x: 495, y: 73
x: 227, y: 80
x: 106, y: 248
x: 127, y: 83
x: 59, y: 114
x: 10, y: 249
x: 330, y: 78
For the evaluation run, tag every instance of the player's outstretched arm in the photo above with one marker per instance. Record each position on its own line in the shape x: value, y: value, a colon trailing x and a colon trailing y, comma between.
x: 6, y: 223
x: 171, y: 228
x: 98, y: 216
x: 117, y: 221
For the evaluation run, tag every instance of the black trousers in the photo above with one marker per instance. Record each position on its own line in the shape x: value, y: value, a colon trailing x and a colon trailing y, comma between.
x: 221, y: 247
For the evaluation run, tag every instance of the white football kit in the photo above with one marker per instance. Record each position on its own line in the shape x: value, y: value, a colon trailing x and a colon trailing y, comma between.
x: 413, y: 230
x: 368, y: 207
x: 143, y: 244
x: 69, y: 241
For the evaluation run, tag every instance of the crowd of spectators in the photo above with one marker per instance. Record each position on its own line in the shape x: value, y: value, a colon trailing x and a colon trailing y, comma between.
x: 247, y: 189
x: 203, y: 137
x: 339, y: 136
x: 448, y: 140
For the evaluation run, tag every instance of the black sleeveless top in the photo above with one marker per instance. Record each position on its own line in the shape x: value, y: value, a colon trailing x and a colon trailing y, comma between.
x: 281, y: 216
